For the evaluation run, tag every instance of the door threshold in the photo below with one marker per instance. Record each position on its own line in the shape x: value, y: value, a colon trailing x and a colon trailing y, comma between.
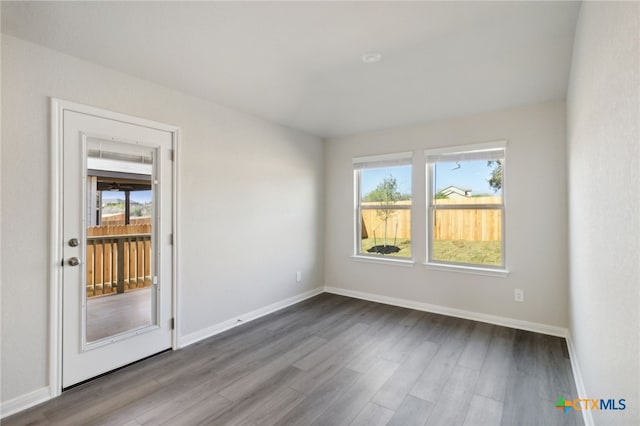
x: 114, y: 370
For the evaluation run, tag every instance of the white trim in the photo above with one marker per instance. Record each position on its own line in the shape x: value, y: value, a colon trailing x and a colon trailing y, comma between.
x: 452, y: 312
x: 23, y: 402
x: 475, y: 147
x: 55, y: 271
x: 119, y: 166
x: 176, y: 239
x: 383, y: 157
x: 359, y: 163
x: 577, y: 376
x: 44, y: 394
x: 125, y: 118
x: 503, y: 273
x: 383, y: 260
x: 41, y: 395
x: 244, y: 318
x: 431, y: 157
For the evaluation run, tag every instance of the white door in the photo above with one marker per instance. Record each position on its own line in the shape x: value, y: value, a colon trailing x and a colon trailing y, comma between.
x: 117, y: 183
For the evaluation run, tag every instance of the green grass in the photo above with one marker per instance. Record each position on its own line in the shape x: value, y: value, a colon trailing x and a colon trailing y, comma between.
x: 404, y: 245
x: 460, y: 251
x: 477, y: 252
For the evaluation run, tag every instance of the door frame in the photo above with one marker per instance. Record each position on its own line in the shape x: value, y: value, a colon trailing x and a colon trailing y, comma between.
x: 57, y: 108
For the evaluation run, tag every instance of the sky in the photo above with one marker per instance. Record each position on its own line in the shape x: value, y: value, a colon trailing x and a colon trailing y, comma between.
x: 136, y: 196
x: 370, y: 178
x: 470, y: 175
x: 473, y: 175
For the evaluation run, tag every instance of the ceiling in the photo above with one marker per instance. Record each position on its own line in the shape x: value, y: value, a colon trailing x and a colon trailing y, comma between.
x: 299, y: 63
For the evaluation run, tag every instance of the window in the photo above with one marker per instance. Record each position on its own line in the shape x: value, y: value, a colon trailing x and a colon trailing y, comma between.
x: 466, y: 205
x: 383, y: 205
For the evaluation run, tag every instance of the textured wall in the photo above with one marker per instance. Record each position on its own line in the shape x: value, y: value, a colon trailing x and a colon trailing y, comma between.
x: 536, y: 232
x: 250, y: 201
x: 604, y: 208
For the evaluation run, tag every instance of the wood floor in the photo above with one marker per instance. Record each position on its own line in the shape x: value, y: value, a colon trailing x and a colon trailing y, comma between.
x: 332, y: 360
x: 117, y: 313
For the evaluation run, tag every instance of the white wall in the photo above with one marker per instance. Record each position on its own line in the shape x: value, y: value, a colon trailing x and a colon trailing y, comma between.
x: 536, y: 216
x: 250, y: 201
x: 604, y: 185
x: 0, y: 202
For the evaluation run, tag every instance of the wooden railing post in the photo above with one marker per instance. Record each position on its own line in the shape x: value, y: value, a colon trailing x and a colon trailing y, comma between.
x: 118, y: 256
x: 120, y: 265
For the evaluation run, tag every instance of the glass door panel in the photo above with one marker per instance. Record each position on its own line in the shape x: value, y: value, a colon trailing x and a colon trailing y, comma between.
x: 119, y: 293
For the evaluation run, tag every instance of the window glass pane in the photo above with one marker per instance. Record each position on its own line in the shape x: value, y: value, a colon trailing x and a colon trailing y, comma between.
x: 468, y: 181
x: 391, y: 237
x: 385, y: 185
x: 140, y: 206
x: 472, y: 236
x: 120, y: 255
x: 385, y: 204
x: 113, y: 207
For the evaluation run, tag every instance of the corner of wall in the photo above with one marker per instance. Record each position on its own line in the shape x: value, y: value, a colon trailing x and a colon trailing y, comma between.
x: 603, y: 112
x: 223, y: 326
x: 452, y: 312
x: 577, y: 376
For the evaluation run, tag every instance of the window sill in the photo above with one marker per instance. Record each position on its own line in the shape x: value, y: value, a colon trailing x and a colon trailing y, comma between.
x: 467, y: 269
x: 384, y: 260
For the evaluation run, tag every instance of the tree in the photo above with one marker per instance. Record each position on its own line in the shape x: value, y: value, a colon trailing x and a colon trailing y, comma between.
x: 386, y: 194
x: 441, y: 195
x: 495, y: 180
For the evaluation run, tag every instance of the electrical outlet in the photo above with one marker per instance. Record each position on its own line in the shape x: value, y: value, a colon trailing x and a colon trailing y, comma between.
x: 298, y: 276
x: 518, y: 295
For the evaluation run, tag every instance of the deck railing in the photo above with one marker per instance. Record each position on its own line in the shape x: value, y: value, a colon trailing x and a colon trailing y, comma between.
x: 119, y: 262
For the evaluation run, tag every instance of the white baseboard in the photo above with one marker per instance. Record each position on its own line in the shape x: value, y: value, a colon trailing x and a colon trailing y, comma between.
x: 244, y: 318
x: 453, y: 312
x: 38, y: 396
x: 41, y: 395
x: 577, y: 375
x: 25, y: 401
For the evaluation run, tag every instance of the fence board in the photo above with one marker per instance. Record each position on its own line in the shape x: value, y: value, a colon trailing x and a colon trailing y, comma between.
x: 449, y: 224
x: 118, y: 219
x: 468, y: 224
x: 373, y: 224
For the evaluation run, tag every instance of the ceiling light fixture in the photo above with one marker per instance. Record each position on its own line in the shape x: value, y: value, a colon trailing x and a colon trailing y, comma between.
x: 371, y: 57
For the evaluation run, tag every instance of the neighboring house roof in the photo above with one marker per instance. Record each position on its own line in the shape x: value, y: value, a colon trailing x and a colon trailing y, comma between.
x: 454, y: 191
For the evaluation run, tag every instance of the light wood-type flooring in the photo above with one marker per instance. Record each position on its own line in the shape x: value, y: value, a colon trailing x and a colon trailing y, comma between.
x: 118, y: 313
x: 333, y: 360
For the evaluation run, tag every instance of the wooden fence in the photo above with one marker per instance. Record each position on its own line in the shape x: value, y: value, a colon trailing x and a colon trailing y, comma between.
x: 450, y: 224
x: 118, y: 219
x: 118, y: 258
x: 468, y: 224
x: 373, y: 222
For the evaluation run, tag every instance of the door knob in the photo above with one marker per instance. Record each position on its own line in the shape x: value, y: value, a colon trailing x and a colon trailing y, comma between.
x: 74, y: 261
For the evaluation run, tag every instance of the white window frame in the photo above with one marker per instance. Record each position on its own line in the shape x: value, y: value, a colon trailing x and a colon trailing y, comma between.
x: 461, y: 153
x: 378, y: 161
